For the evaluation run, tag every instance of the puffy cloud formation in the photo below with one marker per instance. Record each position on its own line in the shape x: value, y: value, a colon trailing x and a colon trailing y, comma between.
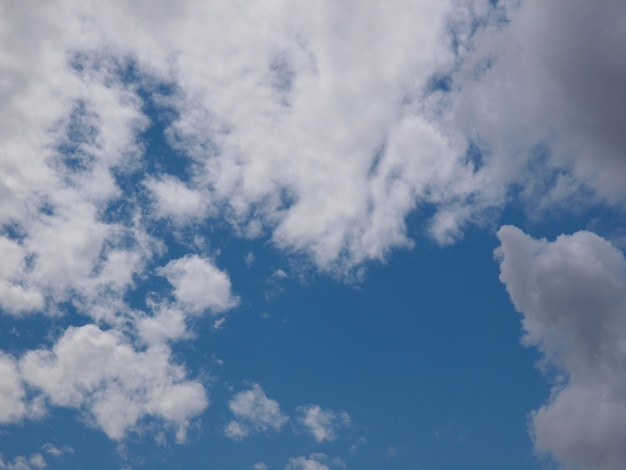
x: 322, y: 424
x: 175, y: 201
x: 325, y: 125
x: 572, y: 294
x: 100, y: 373
x: 254, y: 412
x: 199, y: 285
x: 310, y: 128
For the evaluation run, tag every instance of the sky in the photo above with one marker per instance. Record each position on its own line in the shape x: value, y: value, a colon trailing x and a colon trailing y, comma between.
x: 313, y: 235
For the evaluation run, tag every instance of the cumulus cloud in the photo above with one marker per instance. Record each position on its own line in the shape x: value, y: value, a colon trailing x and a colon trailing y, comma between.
x: 100, y: 373
x: 572, y: 295
x: 322, y: 424
x: 254, y: 412
x: 199, y: 285
x: 321, y: 127
x: 174, y: 200
x: 166, y: 324
x: 320, y: 138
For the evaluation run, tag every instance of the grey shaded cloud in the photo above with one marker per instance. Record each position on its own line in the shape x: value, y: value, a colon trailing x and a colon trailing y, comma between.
x: 540, y: 87
x: 572, y: 295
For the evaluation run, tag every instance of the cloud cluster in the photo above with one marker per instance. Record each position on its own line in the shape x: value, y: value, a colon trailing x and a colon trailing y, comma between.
x: 254, y: 412
x: 323, y: 149
x: 115, y: 382
x: 100, y: 373
x: 309, y: 129
x: 572, y: 294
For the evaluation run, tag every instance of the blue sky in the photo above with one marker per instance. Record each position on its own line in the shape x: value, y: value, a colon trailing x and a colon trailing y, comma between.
x: 278, y: 235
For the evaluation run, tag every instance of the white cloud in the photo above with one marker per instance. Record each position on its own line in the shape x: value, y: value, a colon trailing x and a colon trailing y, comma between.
x: 314, y: 462
x: 100, y: 373
x: 199, y: 285
x: 176, y: 201
x: 572, y: 294
x: 319, y: 137
x: 12, y: 406
x: 62, y: 246
x: 37, y: 461
x: 322, y: 138
x: 167, y: 324
x: 319, y: 126
x: 254, y: 412
x: 14, y: 297
x: 260, y: 466
x: 22, y: 463
x: 322, y: 424
x: 55, y: 451
x: 217, y: 324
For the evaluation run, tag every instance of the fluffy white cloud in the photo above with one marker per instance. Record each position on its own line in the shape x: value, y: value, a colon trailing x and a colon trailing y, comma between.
x: 572, y: 294
x: 14, y: 297
x: 100, y: 373
x: 167, y: 324
x: 254, y: 412
x: 176, y: 201
x: 313, y: 126
x: 322, y: 424
x: 320, y: 126
x: 56, y: 188
x: 199, y: 285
